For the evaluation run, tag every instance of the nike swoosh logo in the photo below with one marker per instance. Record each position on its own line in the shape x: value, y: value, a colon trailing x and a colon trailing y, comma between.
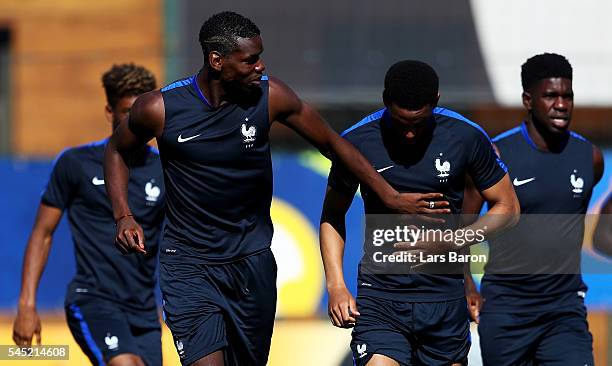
x: 181, y: 139
x: 385, y: 168
x: 517, y: 182
x: 97, y: 182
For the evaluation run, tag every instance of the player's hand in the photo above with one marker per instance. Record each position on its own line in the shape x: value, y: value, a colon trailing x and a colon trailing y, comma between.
x: 474, y: 303
x: 419, y: 203
x: 129, y: 237
x: 342, y: 308
x: 26, y: 326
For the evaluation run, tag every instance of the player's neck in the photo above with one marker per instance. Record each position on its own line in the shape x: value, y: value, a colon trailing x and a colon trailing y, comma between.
x: 216, y: 92
x: 210, y: 88
x: 406, y: 152
x: 543, y: 140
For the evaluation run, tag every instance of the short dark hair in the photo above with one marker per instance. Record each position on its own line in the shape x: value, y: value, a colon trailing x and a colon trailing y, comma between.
x: 221, y: 32
x: 411, y: 85
x: 126, y: 80
x: 544, y: 66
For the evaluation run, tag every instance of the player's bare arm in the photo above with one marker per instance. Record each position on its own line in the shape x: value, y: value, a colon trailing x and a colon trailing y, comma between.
x: 342, y: 308
x: 27, y: 323
x: 472, y: 204
x: 602, y: 237
x: 146, y: 121
x: 288, y: 109
x: 504, y: 209
x: 473, y: 297
x: 598, y: 164
x: 472, y: 200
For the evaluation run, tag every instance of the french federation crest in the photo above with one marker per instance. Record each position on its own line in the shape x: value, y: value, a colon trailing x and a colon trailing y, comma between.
x: 576, y: 182
x: 443, y: 168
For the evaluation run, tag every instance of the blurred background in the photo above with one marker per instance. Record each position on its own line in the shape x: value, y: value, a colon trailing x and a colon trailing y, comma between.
x: 334, y: 54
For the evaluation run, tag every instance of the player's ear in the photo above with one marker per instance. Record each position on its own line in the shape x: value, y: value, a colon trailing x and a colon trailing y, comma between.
x: 385, y: 99
x: 108, y: 113
x: 527, y: 100
x: 435, y: 104
x: 215, y: 60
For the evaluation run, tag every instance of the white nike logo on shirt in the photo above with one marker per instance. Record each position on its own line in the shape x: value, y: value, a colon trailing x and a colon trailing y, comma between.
x: 385, y: 168
x: 517, y: 182
x: 97, y: 182
x: 181, y: 139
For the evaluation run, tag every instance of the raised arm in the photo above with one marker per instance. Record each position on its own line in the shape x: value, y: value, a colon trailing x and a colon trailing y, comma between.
x: 27, y: 323
x: 146, y: 121
x: 288, y: 109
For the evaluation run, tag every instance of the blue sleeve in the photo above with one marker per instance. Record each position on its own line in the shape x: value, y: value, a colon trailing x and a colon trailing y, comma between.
x: 341, y: 180
x: 61, y: 188
x: 484, y: 166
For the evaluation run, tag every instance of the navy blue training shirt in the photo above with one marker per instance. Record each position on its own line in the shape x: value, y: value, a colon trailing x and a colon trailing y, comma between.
x: 77, y: 186
x: 536, y: 264
x: 218, y: 174
x: 457, y: 146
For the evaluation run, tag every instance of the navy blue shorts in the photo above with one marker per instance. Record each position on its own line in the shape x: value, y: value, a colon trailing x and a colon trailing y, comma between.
x: 103, y: 330
x: 558, y: 337
x: 412, y: 333
x: 227, y: 306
